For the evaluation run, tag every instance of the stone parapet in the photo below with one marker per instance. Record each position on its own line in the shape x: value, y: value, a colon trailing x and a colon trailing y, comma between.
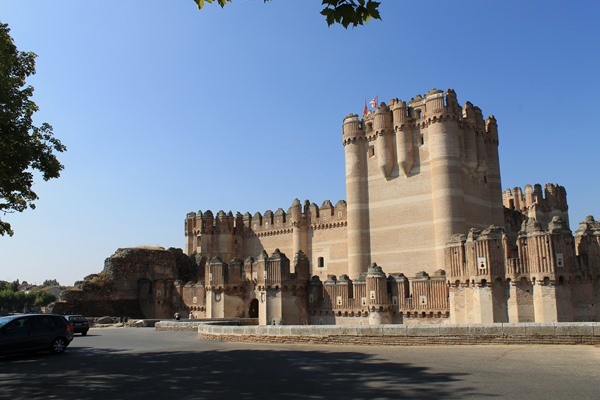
x: 498, y: 333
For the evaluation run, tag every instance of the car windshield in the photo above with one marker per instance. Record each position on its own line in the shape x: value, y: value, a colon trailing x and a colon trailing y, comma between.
x: 5, y: 320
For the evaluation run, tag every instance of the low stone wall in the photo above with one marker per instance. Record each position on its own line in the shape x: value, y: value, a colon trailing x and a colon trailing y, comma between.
x: 194, y: 324
x: 519, y: 333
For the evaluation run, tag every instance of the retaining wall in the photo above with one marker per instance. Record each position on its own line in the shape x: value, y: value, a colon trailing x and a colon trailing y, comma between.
x: 515, y: 333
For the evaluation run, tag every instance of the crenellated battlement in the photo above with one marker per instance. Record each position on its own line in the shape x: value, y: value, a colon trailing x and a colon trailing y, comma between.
x: 266, y: 272
x: 375, y: 291
x: 418, y: 112
x: 327, y: 215
x: 539, y: 253
x: 228, y: 235
x: 545, y: 274
x: 408, y: 136
x: 537, y: 203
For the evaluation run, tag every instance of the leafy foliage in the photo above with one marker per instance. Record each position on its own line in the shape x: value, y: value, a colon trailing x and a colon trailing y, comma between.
x: 12, y: 286
x: 13, y: 300
x: 51, y: 282
x: 344, y: 12
x: 24, y: 147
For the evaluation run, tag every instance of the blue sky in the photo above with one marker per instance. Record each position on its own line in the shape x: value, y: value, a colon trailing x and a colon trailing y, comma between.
x: 166, y: 109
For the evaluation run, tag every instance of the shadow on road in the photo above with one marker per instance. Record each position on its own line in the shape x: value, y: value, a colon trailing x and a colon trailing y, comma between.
x: 86, y: 373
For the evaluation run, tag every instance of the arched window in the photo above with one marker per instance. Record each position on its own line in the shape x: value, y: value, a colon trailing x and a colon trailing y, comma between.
x: 321, y: 262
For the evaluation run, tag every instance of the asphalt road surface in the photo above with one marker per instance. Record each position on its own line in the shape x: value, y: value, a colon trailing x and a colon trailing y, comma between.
x: 140, y: 363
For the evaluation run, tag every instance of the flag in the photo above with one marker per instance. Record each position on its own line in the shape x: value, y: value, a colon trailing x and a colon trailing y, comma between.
x: 374, y: 103
x: 365, y: 110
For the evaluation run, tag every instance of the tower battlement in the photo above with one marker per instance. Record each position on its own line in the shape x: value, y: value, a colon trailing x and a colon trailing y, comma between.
x: 245, y: 234
x: 538, y: 204
x: 319, y: 217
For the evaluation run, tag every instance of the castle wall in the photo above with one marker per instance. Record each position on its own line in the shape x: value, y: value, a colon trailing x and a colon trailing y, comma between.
x: 500, y: 296
x: 294, y: 308
x: 483, y: 307
x: 255, y: 244
x: 234, y: 305
x: 458, y: 304
x: 564, y: 302
x: 544, y: 303
x: 274, y: 307
x: 215, y: 306
x: 194, y: 296
x: 582, y: 299
x: 331, y: 245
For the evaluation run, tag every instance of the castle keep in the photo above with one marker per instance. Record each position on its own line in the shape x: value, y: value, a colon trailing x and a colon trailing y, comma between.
x: 426, y: 235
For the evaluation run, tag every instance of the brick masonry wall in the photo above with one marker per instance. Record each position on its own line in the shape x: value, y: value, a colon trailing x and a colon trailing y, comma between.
x: 521, y: 333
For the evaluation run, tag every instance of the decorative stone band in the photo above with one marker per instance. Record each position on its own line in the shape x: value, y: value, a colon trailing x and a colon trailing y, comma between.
x: 331, y: 225
x: 287, y: 231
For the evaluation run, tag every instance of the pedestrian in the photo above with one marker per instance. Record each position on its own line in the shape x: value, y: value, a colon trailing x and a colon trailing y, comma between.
x: 191, y: 315
x: 177, y: 316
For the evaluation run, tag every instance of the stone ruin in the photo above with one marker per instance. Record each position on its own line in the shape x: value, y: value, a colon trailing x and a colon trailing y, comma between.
x: 135, y: 283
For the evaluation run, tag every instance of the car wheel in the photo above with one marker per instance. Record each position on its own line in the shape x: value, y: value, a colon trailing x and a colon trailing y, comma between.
x: 83, y: 333
x: 59, y: 345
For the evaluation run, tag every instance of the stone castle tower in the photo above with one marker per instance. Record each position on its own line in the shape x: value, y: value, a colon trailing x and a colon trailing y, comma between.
x: 416, y: 173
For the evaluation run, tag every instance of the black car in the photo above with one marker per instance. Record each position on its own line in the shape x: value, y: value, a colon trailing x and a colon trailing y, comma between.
x: 34, y: 332
x: 80, y: 324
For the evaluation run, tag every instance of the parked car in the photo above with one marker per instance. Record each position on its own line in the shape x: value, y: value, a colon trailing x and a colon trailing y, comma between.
x: 24, y: 333
x: 80, y: 324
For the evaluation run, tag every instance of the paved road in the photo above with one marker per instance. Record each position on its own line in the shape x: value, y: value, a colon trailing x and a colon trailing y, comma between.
x: 140, y: 363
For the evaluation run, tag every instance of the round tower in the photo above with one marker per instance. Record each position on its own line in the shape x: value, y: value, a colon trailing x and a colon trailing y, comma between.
x: 493, y: 170
x: 355, y: 152
x: 377, y: 296
x: 470, y: 138
x: 481, y: 145
x: 224, y: 235
x: 191, y: 231
x: 445, y: 169
x: 206, y: 234
x: 382, y: 127
x: 299, y: 236
x: 405, y: 148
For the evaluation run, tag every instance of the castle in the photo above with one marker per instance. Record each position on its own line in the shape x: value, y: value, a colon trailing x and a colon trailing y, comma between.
x: 424, y: 202
x: 423, y: 194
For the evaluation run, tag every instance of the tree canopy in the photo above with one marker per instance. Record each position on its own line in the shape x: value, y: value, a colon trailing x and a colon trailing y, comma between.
x: 14, y: 300
x: 25, y: 149
x: 51, y: 282
x: 344, y: 12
